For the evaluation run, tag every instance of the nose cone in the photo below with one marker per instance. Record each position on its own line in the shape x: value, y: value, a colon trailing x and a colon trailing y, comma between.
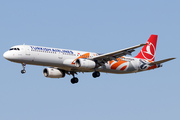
x: 11, y: 56
x: 7, y: 55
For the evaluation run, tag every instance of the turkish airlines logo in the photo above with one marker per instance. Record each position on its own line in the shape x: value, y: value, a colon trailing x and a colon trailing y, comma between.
x: 149, y: 51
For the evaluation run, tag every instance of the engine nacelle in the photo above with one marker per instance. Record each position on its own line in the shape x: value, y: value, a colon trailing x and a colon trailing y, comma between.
x: 85, y: 63
x: 53, y: 73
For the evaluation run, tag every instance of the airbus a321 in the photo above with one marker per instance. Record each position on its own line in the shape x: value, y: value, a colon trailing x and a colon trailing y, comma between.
x: 62, y: 61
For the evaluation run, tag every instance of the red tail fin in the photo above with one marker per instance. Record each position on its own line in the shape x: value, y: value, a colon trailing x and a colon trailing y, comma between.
x: 149, y: 50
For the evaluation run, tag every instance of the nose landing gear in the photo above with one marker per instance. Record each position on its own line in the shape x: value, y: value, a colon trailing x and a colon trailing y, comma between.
x: 23, y: 71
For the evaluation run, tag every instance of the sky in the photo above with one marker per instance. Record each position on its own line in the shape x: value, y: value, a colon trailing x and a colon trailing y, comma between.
x: 98, y: 26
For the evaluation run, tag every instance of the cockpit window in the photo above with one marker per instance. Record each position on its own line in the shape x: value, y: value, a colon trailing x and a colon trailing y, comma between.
x: 14, y: 49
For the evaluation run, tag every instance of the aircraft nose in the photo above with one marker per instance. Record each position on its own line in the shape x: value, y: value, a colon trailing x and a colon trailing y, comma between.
x: 6, y: 55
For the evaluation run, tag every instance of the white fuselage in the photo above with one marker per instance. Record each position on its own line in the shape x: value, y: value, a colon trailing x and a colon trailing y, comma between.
x: 64, y: 59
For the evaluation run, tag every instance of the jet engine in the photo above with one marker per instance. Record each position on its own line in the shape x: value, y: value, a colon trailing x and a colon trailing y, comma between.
x: 53, y: 73
x: 85, y: 63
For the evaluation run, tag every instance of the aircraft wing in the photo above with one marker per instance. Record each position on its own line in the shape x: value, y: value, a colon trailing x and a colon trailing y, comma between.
x: 161, y: 61
x: 104, y: 58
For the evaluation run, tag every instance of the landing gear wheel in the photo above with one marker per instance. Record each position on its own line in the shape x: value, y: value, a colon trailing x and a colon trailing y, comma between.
x: 23, y: 71
x: 74, y: 80
x: 96, y: 74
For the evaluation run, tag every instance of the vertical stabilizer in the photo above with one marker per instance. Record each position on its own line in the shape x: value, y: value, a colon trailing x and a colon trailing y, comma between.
x: 149, y: 50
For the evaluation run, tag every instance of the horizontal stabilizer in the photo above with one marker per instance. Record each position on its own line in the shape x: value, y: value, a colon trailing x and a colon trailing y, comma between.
x: 161, y: 61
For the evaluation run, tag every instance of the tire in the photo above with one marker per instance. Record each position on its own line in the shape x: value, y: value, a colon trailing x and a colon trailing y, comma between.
x: 96, y: 74
x: 74, y: 80
x: 23, y: 71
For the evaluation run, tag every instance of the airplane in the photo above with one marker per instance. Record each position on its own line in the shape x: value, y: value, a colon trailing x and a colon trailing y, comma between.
x: 63, y: 61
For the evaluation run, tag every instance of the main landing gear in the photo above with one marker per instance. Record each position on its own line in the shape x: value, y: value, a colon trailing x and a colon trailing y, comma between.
x: 96, y: 74
x: 74, y: 79
x: 23, y: 71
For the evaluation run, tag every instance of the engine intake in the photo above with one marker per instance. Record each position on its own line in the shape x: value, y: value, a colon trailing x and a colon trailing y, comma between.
x: 53, y: 73
x: 85, y: 63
